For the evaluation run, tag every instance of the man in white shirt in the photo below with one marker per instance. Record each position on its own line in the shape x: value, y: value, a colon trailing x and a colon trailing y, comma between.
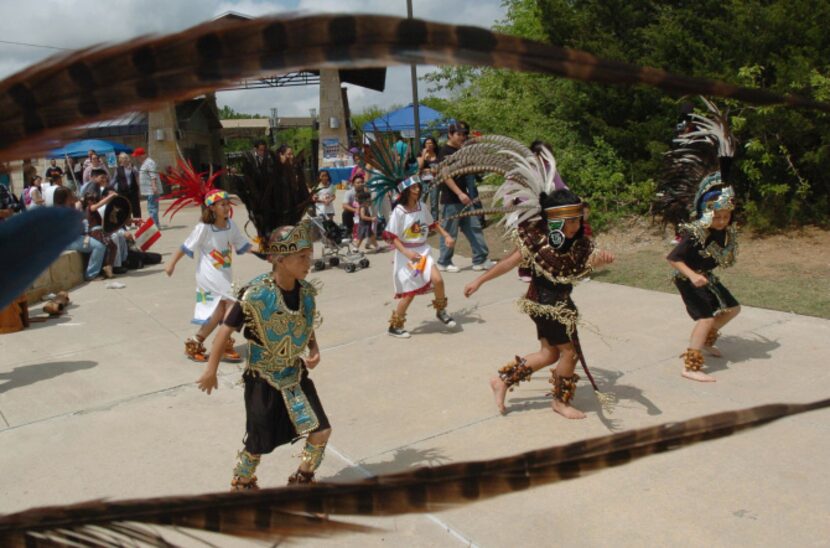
x: 149, y: 183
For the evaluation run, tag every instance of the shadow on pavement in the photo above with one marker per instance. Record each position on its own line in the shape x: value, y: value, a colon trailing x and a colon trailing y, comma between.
x: 30, y: 374
x: 608, y: 382
x: 462, y: 317
x: 401, y: 461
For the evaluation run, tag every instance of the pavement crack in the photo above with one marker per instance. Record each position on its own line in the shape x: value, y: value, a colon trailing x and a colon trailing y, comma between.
x: 103, y: 407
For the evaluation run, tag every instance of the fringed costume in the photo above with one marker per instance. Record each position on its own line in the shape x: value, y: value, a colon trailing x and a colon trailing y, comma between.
x: 554, y: 261
x: 693, y: 190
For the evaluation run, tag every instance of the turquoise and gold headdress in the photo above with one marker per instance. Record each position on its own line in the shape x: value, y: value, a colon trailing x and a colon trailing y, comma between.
x: 296, y: 239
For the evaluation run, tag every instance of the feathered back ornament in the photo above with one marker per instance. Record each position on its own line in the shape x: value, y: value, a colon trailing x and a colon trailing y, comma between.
x: 189, y: 187
x: 386, y: 168
x: 527, y: 178
x: 698, y: 166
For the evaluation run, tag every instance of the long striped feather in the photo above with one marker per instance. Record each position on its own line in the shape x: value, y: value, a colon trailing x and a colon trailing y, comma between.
x: 282, y: 511
x: 45, y: 101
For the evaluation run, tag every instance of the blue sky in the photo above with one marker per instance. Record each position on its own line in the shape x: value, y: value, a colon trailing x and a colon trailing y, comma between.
x: 80, y: 23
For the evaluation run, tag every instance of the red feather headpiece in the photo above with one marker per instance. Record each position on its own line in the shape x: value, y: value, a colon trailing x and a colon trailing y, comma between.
x: 189, y: 187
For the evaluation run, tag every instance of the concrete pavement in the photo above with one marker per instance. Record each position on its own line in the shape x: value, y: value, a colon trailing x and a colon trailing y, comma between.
x: 102, y: 403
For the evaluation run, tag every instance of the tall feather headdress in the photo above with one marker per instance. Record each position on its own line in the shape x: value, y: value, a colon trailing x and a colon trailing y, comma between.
x: 699, y: 163
x: 188, y: 187
x: 527, y: 177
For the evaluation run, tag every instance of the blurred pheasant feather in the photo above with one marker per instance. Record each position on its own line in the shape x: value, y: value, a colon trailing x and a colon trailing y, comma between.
x: 50, y: 100
x: 293, y: 511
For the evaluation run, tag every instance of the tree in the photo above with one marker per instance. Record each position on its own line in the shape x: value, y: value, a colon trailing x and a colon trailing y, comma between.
x: 609, y: 140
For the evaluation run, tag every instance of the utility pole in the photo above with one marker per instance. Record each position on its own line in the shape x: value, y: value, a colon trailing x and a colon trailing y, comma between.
x: 416, y: 112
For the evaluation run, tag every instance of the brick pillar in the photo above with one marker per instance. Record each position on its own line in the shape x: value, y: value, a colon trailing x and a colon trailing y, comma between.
x: 162, y: 123
x: 332, y: 107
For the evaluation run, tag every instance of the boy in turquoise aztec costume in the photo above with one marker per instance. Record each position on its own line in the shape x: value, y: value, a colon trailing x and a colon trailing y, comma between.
x: 278, y: 315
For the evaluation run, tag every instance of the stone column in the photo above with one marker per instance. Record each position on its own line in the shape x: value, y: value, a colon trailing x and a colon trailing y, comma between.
x: 161, y: 137
x: 332, y: 112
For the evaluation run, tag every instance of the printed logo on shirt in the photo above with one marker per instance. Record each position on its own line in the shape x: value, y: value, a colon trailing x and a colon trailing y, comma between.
x: 203, y: 296
x: 221, y: 259
x: 413, y: 231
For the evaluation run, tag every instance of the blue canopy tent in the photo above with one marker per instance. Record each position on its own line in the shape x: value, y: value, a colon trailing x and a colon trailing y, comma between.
x: 403, y: 120
x: 80, y: 148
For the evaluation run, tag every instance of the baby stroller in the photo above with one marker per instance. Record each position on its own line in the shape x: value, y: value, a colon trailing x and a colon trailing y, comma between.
x: 337, y: 247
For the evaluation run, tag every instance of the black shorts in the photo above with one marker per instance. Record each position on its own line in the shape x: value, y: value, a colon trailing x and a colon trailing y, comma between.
x: 267, y: 422
x: 704, y: 302
x: 551, y: 330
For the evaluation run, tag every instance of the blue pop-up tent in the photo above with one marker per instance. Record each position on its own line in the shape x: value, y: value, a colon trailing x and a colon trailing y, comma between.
x: 80, y: 148
x: 403, y: 119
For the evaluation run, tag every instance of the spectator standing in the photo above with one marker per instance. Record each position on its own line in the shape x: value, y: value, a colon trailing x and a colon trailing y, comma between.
x: 349, y: 205
x: 427, y: 160
x: 52, y: 170
x: 149, y: 183
x: 324, y: 197
x: 95, y: 163
x: 455, y: 199
x: 33, y: 194
x: 125, y: 183
x: 48, y: 189
x: 367, y: 220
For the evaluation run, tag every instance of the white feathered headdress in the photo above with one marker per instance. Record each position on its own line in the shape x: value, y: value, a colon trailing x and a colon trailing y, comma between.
x: 526, y: 176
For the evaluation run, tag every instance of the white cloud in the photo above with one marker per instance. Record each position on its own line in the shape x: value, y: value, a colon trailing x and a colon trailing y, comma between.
x: 81, y: 23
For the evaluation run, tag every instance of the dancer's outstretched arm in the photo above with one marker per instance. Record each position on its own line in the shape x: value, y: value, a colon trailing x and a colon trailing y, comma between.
x: 503, y: 266
x: 208, y: 381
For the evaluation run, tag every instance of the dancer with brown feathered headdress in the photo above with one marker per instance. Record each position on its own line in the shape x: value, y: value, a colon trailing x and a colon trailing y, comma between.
x: 695, y: 195
x: 546, y: 225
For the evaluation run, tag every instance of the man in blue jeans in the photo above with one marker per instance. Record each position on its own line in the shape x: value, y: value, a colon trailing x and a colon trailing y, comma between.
x: 83, y: 243
x: 454, y: 199
x: 149, y: 183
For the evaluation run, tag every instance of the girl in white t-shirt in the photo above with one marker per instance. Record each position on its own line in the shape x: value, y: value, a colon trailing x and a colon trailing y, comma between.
x: 324, y: 198
x: 213, y: 238
x: 414, y: 272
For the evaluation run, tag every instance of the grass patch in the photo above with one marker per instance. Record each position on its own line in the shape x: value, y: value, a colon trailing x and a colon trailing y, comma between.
x: 795, y: 288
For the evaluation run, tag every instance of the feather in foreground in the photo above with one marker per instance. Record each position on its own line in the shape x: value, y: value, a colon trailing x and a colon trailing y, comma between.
x: 295, y: 511
x: 47, y: 100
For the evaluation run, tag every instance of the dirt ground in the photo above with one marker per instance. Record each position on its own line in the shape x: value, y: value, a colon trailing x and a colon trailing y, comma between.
x: 789, y: 272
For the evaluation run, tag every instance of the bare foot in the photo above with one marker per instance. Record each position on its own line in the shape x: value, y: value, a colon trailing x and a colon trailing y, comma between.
x: 713, y: 351
x: 699, y: 376
x: 499, y: 392
x: 567, y: 411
